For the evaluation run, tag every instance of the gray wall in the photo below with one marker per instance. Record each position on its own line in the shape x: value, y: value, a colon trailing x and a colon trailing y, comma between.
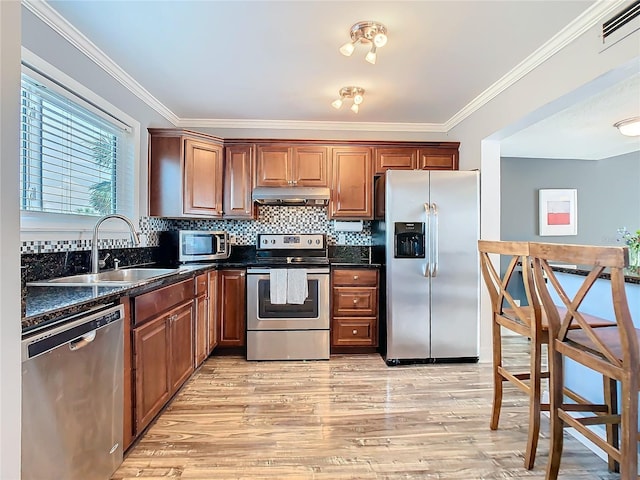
x: 608, y: 196
x: 40, y: 39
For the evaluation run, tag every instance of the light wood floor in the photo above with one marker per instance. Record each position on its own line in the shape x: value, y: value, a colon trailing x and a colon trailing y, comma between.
x: 348, y: 418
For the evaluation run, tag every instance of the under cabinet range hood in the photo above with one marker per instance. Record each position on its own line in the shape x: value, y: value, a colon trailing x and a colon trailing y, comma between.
x: 310, y: 196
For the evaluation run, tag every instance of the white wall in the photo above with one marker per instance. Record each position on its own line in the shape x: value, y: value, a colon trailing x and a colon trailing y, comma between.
x: 10, y: 387
x: 577, y: 64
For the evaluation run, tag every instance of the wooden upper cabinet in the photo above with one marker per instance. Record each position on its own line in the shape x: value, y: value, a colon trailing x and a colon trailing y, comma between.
x: 272, y: 166
x: 238, y: 178
x: 438, y: 158
x: 185, y: 174
x: 309, y: 166
x: 395, y: 158
x: 442, y: 156
x: 202, y: 179
x: 296, y: 166
x: 352, y: 183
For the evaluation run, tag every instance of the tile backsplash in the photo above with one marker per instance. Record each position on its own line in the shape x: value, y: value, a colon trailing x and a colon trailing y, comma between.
x: 271, y: 219
x: 276, y: 219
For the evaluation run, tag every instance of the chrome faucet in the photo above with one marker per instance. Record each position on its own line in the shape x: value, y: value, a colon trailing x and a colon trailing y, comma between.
x: 95, y: 261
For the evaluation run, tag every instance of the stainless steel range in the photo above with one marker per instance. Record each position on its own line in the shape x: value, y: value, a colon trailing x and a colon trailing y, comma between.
x: 288, y: 299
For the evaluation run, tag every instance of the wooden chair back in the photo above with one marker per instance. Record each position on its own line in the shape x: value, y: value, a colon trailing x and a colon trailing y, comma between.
x: 597, y: 260
x: 497, y: 284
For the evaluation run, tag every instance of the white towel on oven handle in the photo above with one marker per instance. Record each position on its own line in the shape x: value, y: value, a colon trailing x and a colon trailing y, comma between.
x: 297, y: 289
x: 278, y: 286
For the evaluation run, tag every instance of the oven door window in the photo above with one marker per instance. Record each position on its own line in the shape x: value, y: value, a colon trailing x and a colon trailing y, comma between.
x: 266, y: 310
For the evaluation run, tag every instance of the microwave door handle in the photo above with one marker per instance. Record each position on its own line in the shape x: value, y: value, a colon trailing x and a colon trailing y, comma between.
x: 427, y: 266
x: 436, y: 249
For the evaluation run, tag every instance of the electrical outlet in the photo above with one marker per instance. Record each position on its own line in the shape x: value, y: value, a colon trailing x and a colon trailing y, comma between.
x: 342, y: 239
x: 232, y: 239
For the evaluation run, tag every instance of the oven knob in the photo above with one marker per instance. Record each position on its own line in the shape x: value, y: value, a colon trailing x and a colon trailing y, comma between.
x: 265, y: 241
x: 309, y: 241
x: 317, y: 241
x: 273, y: 242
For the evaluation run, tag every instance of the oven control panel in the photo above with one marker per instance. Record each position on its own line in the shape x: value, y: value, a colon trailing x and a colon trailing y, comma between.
x: 287, y: 241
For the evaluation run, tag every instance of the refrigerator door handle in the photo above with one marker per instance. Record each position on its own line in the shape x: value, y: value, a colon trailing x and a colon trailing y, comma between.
x: 434, y: 240
x: 427, y: 247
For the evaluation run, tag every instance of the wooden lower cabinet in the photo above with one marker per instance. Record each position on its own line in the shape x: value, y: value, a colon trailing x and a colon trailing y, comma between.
x: 231, y: 303
x: 354, y: 310
x: 127, y: 409
x: 214, y: 317
x: 163, y: 359
x: 201, y: 323
x: 151, y: 345
x: 181, y: 346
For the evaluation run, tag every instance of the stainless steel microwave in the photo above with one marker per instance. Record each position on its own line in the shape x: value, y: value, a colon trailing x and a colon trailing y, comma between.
x: 200, y: 245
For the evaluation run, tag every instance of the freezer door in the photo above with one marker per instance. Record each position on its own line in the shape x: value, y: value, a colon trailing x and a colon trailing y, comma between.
x: 408, y: 325
x: 454, y: 199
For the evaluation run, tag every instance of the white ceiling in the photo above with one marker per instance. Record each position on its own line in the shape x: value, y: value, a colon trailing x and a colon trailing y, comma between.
x: 278, y: 60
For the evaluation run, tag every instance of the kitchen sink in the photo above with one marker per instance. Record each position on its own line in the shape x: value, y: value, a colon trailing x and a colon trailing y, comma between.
x: 123, y: 277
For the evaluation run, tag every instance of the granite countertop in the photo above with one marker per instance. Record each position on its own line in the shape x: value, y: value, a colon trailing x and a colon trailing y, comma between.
x: 46, y: 305
x: 630, y: 275
x: 49, y: 304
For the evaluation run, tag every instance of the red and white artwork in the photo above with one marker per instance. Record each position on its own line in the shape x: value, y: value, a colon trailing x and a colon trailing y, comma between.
x: 558, y: 211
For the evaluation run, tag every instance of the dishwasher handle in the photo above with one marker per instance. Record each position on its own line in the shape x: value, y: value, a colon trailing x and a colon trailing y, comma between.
x: 82, y: 341
x: 77, y: 333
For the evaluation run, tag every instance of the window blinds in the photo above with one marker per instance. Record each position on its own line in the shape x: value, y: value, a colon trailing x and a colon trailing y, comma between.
x: 70, y: 157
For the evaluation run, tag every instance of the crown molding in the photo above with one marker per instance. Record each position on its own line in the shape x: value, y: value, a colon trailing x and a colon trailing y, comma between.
x: 66, y: 30
x: 310, y: 125
x: 588, y: 19
x: 573, y: 30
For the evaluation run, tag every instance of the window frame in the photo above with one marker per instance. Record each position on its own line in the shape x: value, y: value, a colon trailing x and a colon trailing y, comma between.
x: 43, y: 226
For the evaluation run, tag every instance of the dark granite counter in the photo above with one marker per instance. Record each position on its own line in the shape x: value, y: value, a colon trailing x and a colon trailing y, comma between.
x: 630, y: 275
x: 45, y: 305
x: 353, y: 256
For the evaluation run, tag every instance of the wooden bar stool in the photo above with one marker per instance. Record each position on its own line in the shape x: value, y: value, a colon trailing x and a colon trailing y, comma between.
x: 612, y: 351
x: 523, y: 320
x: 528, y: 321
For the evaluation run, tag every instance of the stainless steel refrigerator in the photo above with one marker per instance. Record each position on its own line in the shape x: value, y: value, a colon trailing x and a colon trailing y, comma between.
x: 431, y: 229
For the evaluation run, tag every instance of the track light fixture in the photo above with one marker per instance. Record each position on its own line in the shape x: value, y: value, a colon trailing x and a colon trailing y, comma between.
x: 355, y: 93
x: 366, y: 32
x: 629, y: 127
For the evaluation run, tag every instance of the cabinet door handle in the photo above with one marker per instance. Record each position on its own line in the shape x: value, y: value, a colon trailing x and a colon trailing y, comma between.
x: 356, y: 277
x: 354, y: 332
x: 355, y: 300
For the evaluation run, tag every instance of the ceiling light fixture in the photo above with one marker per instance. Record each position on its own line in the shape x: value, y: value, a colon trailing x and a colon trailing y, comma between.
x: 629, y: 127
x: 355, y: 93
x: 366, y: 32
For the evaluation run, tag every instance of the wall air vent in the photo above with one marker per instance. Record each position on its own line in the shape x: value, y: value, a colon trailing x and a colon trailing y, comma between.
x: 622, y: 24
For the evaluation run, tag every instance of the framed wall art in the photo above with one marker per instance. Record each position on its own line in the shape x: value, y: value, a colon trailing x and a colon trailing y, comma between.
x: 558, y: 211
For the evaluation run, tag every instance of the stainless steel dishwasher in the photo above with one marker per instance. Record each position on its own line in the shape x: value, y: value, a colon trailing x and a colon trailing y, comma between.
x: 72, y: 398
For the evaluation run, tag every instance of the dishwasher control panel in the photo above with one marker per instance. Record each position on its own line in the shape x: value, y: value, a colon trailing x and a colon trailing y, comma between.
x: 73, y: 330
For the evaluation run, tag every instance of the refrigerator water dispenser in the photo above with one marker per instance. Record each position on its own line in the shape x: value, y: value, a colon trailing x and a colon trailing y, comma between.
x: 409, y: 240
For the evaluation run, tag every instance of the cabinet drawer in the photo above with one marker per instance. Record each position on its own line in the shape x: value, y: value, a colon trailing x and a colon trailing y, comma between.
x: 354, y: 332
x: 202, y: 284
x: 151, y: 304
x: 355, y: 277
x: 349, y: 301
